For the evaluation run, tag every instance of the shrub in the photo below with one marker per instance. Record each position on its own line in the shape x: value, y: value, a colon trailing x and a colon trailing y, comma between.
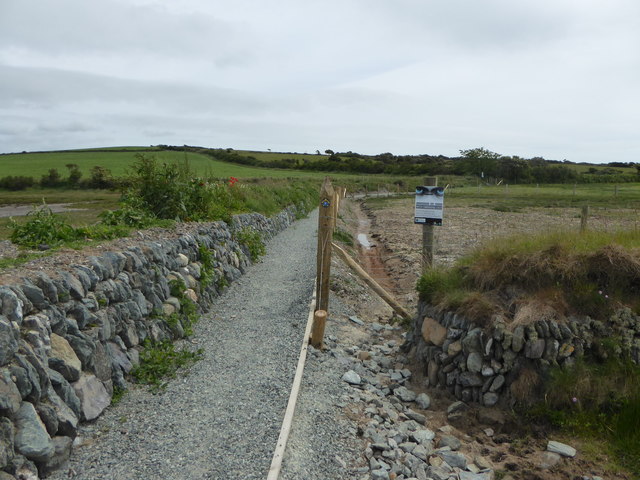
x: 16, y: 182
x: 74, y: 174
x: 51, y: 179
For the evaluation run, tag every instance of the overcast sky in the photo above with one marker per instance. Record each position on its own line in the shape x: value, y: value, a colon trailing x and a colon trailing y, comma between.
x: 552, y: 78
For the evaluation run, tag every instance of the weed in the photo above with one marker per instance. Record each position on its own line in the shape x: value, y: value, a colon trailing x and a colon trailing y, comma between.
x: 188, y: 315
x: 42, y: 228
x: 252, y: 239
x: 20, y: 259
x: 596, y: 399
x: 207, y: 271
x: 160, y: 361
x: 343, y: 236
x: 118, y: 394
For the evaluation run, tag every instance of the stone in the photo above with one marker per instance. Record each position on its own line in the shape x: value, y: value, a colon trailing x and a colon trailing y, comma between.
x: 432, y: 332
x: 472, y: 342
x: 482, y: 462
x: 93, y: 396
x: 548, y: 460
x: 423, y: 401
x: 351, y: 378
x: 65, y: 391
x: 61, y: 452
x: 77, y: 290
x: 423, y: 436
x: 489, y: 399
x: 566, y: 349
x: 83, y: 347
x: 432, y: 372
x: 404, y: 394
x: 10, y: 398
x: 470, y: 379
x: 449, y: 441
x: 6, y: 442
x: 8, y: 341
x: 11, y: 305
x: 32, y: 439
x: 497, y: 383
x: 454, y: 348
x: 438, y: 473
x: 102, y: 362
x: 63, y: 358
x: 48, y: 416
x: 474, y: 362
x: 455, y: 459
x: 475, y: 476
x: 21, y: 379
x: 422, y: 452
x: 380, y: 474
x: 456, y: 407
x: 182, y: 260
x: 487, y: 371
x: 67, y: 420
x: 418, y: 417
x: 35, y: 296
x: 561, y: 448
x: 119, y: 359
x: 517, y: 341
x: 48, y: 287
x: 534, y: 348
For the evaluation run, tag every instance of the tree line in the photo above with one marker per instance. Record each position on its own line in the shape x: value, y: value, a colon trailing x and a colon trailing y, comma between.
x: 477, y: 162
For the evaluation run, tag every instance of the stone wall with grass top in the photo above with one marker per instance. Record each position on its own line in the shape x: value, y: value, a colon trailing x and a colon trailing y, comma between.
x: 68, y: 340
x: 506, y: 362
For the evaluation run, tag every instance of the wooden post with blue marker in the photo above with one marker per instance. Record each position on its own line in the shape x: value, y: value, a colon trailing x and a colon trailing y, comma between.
x: 326, y: 219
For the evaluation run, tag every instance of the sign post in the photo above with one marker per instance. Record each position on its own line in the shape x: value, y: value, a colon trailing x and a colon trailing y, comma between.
x: 429, y: 209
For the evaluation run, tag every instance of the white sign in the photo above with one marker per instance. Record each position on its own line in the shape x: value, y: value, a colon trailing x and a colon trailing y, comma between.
x: 429, y: 205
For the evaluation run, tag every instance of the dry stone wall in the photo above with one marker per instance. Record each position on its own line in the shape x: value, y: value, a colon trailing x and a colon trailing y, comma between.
x: 481, y: 364
x: 67, y: 340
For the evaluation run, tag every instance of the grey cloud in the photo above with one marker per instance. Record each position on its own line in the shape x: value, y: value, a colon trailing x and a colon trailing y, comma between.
x: 68, y: 26
x: 53, y: 88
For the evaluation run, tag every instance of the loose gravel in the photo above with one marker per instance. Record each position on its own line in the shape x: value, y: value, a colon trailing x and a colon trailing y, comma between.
x: 221, y: 420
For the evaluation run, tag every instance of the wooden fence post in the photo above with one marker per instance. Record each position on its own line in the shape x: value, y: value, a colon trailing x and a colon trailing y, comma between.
x: 584, y: 217
x: 317, y: 331
x: 325, y: 236
x: 427, y: 234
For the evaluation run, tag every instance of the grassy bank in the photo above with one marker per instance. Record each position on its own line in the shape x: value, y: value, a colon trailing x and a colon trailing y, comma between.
x: 595, y: 274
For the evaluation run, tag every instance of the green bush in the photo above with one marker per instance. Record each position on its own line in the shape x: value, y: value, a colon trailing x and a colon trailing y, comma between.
x: 51, y: 179
x: 16, y: 182
x: 42, y: 228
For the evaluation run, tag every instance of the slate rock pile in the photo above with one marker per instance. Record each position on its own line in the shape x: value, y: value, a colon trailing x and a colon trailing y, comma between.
x: 479, y: 364
x: 68, y: 339
x: 402, y: 438
x: 400, y: 445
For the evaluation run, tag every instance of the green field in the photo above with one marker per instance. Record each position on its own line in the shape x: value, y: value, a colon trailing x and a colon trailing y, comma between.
x: 119, y: 159
x: 269, y: 156
x: 118, y: 162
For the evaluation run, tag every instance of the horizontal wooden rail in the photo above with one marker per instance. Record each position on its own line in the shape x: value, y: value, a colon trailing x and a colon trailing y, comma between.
x: 386, y: 296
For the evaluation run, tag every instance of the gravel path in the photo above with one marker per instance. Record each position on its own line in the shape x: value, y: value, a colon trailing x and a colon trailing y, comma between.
x: 222, y: 419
